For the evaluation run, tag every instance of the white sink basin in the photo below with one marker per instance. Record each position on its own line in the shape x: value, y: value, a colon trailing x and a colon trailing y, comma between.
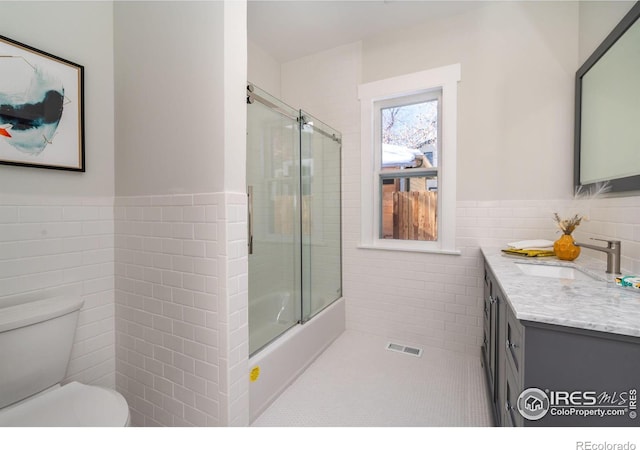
x: 551, y: 271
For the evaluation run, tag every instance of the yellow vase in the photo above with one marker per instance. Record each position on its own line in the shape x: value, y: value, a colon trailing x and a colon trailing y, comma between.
x: 565, y: 249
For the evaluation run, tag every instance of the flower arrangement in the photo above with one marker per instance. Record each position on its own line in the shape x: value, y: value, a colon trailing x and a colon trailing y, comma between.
x: 568, y: 225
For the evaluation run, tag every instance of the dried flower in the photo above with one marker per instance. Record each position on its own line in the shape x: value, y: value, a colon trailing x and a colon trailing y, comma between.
x: 581, y: 195
x: 568, y: 225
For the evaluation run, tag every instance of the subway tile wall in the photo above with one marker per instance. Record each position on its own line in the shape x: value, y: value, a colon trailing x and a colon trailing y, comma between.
x: 615, y: 218
x: 65, y: 245
x: 181, y: 327
x: 174, y: 254
x: 233, y: 316
x: 436, y: 300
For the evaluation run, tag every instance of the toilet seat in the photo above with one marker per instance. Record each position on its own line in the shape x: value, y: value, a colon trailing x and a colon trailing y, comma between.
x: 72, y: 405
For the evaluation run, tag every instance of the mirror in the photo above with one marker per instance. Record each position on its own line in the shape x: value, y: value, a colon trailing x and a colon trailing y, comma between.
x: 607, y: 122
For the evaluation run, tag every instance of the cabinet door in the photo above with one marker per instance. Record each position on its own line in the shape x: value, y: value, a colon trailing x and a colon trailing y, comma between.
x: 514, y: 343
x: 500, y: 333
x: 563, y: 359
x: 492, y: 349
x: 486, y: 314
x: 490, y: 330
x: 512, y: 388
x: 493, y: 336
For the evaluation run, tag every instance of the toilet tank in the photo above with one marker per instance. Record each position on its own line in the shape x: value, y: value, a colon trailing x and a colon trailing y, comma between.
x: 35, y: 345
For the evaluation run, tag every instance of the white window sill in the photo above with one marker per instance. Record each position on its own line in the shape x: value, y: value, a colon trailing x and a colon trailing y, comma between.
x: 394, y: 247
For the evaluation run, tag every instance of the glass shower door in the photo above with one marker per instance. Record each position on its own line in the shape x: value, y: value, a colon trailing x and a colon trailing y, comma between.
x: 273, y: 167
x: 321, y: 226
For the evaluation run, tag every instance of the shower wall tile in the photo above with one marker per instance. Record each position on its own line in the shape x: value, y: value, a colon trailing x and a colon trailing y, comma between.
x: 65, y: 245
x: 176, y: 300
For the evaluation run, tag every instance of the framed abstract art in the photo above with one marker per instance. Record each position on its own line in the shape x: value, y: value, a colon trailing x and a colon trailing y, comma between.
x: 41, y: 109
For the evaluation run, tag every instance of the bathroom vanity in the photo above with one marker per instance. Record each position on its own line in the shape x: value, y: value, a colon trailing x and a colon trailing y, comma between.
x: 564, y: 337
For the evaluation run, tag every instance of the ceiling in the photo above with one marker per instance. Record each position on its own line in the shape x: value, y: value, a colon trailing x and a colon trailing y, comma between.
x: 288, y: 30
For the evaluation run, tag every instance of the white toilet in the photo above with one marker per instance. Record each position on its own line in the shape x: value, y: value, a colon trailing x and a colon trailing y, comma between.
x: 35, y: 346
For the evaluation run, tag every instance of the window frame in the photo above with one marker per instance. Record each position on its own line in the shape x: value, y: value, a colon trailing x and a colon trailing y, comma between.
x: 378, y: 94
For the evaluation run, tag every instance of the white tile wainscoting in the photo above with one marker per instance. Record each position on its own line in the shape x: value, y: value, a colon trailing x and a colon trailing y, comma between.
x: 172, y: 259
x: 435, y: 300
x: 181, y: 314
x: 65, y: 245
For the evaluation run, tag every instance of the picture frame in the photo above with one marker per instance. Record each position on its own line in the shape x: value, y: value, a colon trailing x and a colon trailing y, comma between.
x: 41, y: 109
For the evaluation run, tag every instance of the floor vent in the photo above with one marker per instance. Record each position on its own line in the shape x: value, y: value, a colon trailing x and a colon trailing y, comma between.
x: 413, y: 351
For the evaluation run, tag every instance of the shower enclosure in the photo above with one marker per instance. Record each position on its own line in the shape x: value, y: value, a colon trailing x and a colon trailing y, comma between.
x: 293, y: 187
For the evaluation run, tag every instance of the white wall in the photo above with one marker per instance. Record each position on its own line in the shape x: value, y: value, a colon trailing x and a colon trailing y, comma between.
x: 181, y: 285
x: 56, y: 227
x: 81, y: 32
x: 263, y: 70
x: 515, y: 109
x: 597, y: 20
x: 169, y: 82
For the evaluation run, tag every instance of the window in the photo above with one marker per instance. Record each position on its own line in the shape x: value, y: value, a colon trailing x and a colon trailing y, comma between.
x: 406, y: 131
x: 409, y: 161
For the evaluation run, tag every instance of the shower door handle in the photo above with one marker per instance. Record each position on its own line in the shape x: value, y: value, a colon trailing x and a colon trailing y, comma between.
x: 250, y: 218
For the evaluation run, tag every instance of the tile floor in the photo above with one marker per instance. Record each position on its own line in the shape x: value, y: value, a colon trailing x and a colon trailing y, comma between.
x: 357, y: 382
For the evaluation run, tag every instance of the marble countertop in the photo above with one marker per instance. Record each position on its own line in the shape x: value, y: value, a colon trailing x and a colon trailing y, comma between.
x: 588, y: 304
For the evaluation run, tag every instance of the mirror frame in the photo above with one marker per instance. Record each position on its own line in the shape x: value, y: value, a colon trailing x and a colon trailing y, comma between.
x: 631, y: 183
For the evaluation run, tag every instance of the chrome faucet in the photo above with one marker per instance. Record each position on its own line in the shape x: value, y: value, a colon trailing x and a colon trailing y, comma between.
x: 612, y: 250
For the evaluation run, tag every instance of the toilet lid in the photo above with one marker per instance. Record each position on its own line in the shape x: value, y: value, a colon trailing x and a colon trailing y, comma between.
x: 72, y: 405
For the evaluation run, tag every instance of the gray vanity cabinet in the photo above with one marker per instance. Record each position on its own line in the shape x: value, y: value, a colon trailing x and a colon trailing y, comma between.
x: 493, y: 357
x: 583, y: 368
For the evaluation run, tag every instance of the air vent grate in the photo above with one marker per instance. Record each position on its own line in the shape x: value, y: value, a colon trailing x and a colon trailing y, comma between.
x: 413, y: 351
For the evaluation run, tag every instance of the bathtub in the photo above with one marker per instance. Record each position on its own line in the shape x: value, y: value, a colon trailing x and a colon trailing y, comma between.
x: 275, y: 367
x: 270, y: 315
